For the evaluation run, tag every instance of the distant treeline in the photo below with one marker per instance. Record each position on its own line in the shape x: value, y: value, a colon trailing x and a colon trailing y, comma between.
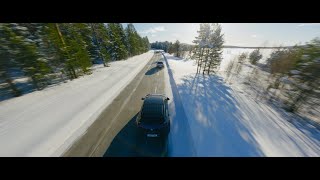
x: 176, y: 48
x: 262, y: 47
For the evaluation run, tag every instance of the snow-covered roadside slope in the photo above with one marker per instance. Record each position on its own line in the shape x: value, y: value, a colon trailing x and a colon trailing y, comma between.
x: 47, y: 122
x: 180, y: 140
x: 225, y: 122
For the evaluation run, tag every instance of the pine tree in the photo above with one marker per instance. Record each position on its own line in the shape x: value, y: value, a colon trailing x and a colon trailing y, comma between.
x: 74, y: 48
x: 140, y: 45
x: 201, y: 42
x: 56, y: 38
x: 176, y: 48
x: 170, y: 48
x: 306, y: 76
x: 132, y: 40
x: 78, y: 47
x: 86, y: 33
x: 241, y: 59
x: 146, y: 44
x: 166, y: 46
x: 117, y: 47
x: 123, y: 43
x: 208, y: 48
x: 7, y: 58
x: 101, y: 39
x: 255, y: 56
x: 39, y: 35
x: 54, y: 47
x: 27, y: 55
x: 215, y: 44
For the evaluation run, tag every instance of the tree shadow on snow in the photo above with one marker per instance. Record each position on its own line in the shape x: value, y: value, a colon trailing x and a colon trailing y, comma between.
x: 215, y: 118
x: 23, y: 87
x: 305, y: 125
x: 180, y: 140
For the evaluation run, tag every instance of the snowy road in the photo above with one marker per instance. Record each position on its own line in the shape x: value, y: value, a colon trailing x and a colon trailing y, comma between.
x: 128, y: 142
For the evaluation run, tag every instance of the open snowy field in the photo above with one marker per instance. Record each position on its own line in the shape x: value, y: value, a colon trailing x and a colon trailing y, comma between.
x: 216, y: 120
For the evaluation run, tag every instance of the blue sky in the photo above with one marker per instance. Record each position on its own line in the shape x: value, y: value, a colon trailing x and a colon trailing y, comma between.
x: 241, y: 34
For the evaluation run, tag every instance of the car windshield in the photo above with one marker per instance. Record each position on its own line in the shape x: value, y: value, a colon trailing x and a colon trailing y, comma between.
x: 160, y: 62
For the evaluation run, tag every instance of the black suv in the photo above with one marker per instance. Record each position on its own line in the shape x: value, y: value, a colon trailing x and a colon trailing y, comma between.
x: 153, y: 119
x: 160, y: 64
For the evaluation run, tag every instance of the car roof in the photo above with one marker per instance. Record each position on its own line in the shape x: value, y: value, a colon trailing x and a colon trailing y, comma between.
x: 152, y: 111
x: 154, y: 99
x: 153, y: 106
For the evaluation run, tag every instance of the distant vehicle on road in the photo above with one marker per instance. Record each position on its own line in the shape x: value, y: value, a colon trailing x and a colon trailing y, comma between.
x: 160, y: 64
x: 153, y: 119
x: 158, y: 51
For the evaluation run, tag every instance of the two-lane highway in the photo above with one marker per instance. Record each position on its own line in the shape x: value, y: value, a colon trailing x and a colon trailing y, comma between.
x: 115, y: 124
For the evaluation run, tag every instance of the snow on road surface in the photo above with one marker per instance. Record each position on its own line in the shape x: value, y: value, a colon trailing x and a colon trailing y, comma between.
x: 47, y: 122
x: 225, y: 122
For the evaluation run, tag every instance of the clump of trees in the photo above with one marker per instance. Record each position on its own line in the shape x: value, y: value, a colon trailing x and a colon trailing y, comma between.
x: 241, y: 60
x: 255, y: 56
x: 235, y: 66
x: 45, y: 51
x: 297, y: 74
x: 177, y: 49
x: 294, y: 75
x: 208, y: 49
x: 162, y: 45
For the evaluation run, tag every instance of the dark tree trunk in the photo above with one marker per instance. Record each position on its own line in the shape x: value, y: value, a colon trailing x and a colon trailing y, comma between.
x: 35, y: 82
x: 200, y: 60
x: 15, y: 91
x: 205, y: 63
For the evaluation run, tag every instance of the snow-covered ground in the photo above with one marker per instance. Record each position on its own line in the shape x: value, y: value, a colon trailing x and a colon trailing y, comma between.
x: 47, y: 122
x: 180, y: 140
x: 255, y: 80
x: 215, y: 119
x: 229, y: 54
